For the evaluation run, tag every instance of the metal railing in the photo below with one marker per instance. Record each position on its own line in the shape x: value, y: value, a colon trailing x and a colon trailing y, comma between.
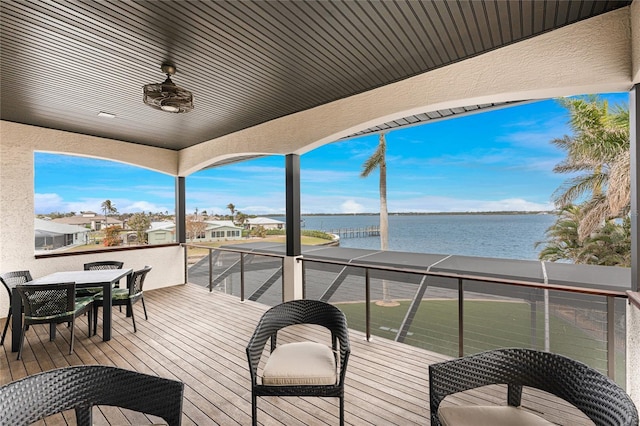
x: 584, y: 323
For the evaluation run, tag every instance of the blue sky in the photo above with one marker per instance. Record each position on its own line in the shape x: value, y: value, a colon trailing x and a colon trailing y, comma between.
x: 494, y: 161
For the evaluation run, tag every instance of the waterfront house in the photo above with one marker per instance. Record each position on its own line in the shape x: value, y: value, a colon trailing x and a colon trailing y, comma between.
x: 276, y: 78
x: 265, y: 222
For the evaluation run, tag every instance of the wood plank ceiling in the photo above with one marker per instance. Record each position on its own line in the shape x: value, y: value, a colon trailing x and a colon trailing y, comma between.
x: 62, y: 61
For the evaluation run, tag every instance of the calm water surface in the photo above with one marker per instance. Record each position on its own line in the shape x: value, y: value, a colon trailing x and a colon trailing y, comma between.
x: 502, y: 236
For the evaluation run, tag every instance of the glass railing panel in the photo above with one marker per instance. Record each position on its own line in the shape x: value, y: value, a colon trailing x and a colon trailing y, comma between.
x: 434, y: 325
x: 620, y: 342
x: 578, y: 327
x: 391, y: 296
x: 497, y: 316
x: 262, y: 279
x: 197, y: 265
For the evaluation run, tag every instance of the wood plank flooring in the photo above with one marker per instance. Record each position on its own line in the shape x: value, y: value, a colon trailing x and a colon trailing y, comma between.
x: 200, y: 337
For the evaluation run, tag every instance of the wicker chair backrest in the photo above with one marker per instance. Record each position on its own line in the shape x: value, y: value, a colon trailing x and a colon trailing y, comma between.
x: 48, y: 301
x: 14, y: 278
x: 593, y: 393
x: 303, y: 311
x: 102, y: 265
x: 81, y: 387
x: 135, y: 281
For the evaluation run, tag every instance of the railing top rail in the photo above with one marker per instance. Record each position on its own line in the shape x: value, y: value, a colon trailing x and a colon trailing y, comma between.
x: 467, y: 277
x: 634, y: 298
x: 234, y: 250
x: 480, y: 278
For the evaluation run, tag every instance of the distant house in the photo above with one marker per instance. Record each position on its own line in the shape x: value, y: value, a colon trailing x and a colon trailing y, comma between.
x: 50, y: 235
x: 90, y: 220
x: 265, y: 222
x: 221, y: 230
x: 215, y: 230
x: 161, y: 233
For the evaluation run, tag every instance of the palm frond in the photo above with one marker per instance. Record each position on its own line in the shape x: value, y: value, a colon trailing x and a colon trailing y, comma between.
x: 376, y: 158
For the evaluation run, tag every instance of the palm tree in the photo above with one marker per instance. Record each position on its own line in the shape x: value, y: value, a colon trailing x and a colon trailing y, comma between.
x: 378, y: 161
x: 108, y: 208
x: 562, y: 237
x: 232, y: 209
x: 599, y: 152
x: 610, y: 245
x: 241, y: 218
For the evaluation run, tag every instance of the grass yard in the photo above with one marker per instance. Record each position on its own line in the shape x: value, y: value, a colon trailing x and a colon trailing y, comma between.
x: 488, y: 324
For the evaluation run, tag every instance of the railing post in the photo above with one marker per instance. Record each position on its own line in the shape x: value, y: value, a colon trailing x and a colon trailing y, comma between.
x: 304, y: 280
x: 460, y: 318
x: 242, y: 277
x: 210, y: 270
x: 611, y: 337
x: 367, y: 297
x: 282, y: 278
x: 186, y: 263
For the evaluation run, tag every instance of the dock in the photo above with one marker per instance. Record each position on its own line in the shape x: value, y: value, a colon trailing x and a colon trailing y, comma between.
x: 367, y: 231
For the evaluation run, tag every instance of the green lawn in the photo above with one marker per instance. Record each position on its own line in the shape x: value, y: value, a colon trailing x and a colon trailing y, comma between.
x: 488, y: 325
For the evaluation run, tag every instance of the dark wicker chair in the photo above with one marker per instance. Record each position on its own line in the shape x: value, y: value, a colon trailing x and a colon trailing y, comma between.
x: 299, y: 383
x: 52, y: 304
x: 10, y: 280
x: 98, y: 266
x: 79, y: 388
x: 593, y: 393
x: 125, y: 296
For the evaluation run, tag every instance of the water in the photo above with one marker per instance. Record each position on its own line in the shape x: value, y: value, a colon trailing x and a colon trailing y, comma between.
x: 486, y: 235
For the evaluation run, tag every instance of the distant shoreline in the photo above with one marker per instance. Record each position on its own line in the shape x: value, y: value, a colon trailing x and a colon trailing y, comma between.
x: 423, y: 213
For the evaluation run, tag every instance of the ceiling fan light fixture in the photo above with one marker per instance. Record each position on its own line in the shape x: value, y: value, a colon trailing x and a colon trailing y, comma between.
x: 167, y: 96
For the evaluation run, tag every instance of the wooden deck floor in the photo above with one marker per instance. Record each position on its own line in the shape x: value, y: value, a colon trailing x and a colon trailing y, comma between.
x: 200, y: 337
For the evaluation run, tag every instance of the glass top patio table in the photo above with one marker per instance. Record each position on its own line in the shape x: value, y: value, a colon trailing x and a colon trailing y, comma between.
x: 105, y: 278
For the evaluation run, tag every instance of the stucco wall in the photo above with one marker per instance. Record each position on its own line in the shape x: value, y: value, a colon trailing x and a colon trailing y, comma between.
x: 592, y: 56
x: 17, y: 145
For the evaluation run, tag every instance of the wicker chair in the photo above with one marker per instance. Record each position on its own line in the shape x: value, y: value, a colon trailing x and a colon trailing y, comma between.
x: 10, y: 280
x: 324, y: 376
x: 98, y: 266
x: 52, y: 304
x: 125, y: 296
x: 79, y: 388
x: 593, y: 393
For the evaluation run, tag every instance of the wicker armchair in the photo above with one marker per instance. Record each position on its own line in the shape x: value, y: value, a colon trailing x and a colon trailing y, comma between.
x: 289, y: 370
x: 10, y: 280
x: 36, y: 397
x: 593, y: 393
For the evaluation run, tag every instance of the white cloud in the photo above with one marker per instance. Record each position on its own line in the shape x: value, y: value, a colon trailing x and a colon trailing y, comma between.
x: 144, y: 206
x: 446, y: 204
x: 48, y: 203
x: 351, y: 206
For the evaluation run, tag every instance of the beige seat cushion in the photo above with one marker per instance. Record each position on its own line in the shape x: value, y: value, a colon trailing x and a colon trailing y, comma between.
x: 300, y: 363
x: 489, y: 416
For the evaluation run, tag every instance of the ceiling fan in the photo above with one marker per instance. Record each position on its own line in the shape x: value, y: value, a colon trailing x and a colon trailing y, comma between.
x: 167, y: 96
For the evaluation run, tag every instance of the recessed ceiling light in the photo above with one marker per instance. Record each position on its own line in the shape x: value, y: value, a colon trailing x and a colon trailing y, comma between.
x: 106, y: 114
